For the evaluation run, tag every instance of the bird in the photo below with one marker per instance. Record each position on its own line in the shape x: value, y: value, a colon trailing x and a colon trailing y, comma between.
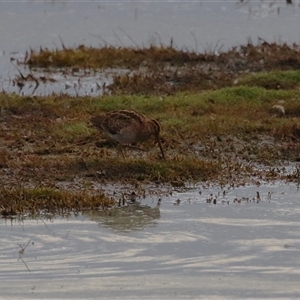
x: 128, y: 127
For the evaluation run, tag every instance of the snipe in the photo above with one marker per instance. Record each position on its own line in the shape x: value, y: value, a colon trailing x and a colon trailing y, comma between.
x: 128, y: 127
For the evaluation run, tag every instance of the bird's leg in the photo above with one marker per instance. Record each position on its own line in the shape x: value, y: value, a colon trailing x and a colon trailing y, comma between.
x: 120, y: 149
x: 161, y: 148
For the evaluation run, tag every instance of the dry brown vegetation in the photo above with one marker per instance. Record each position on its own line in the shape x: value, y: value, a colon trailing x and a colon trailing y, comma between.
x: 262, y: 57
x: 166, y: 70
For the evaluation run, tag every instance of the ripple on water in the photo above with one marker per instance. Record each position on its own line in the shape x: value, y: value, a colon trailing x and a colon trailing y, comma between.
x: 235, y: 246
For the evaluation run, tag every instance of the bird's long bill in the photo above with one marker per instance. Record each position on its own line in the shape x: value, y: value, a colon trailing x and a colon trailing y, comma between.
x: 161, y: 148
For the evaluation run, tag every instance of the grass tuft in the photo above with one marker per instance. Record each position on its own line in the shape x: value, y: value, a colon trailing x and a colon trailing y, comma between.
x: 15, y: 201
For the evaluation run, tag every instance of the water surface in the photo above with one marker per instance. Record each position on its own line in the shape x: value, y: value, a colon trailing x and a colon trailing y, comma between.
x: 195, y: 249
x: 195, y: 25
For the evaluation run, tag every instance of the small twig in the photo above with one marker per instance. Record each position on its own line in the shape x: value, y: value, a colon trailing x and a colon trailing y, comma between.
x: 22, y: 76
x: 159, y: 39
x: 24, y: 263
x: 106, y: 44
x: 62, y: 43
x: 46, y: 225
x: 130, y: 38
x: 195, y: 40
x: 21, y: 253
x: 36, y: 83
x: 117, y: 37
x: 68, y: 233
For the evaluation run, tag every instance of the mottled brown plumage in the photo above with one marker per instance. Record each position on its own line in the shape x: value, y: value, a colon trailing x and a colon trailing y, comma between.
x: 128, y: 127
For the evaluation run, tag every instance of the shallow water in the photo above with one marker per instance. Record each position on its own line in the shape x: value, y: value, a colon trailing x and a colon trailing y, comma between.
x: 178, y: 249
x: 194, y: 25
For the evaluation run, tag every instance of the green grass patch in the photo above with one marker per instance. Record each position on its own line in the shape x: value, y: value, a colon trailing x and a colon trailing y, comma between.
x: 49, y: 139
x: 275, y: 80
x: 225, y: 111
x: 70, y: 131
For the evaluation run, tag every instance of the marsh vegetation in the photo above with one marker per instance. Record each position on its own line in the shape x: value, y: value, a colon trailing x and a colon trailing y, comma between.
x: 226, y: 117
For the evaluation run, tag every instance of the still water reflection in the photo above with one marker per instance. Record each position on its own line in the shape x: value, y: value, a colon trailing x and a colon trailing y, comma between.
x: 132, y: 217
